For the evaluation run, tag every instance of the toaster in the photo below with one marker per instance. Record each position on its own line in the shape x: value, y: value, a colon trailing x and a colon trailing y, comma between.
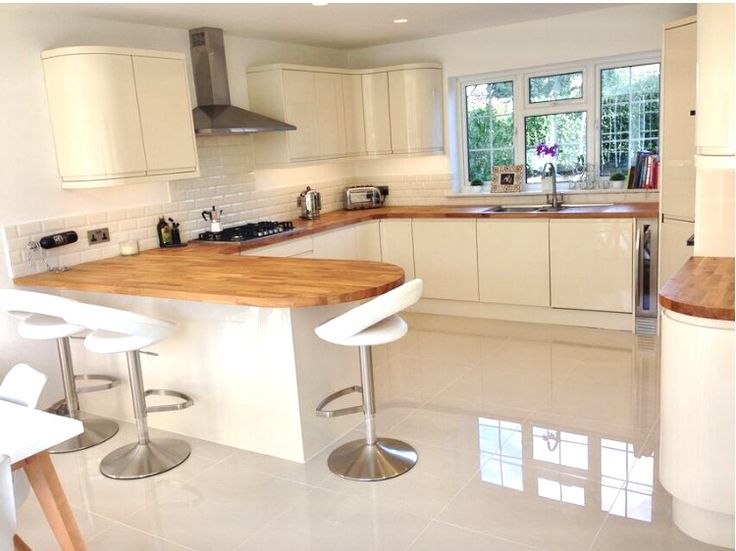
x: 364, y: 197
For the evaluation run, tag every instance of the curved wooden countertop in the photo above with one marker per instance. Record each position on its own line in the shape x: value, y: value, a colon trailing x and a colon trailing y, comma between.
x: 213, y: 272
x: 703, y: 287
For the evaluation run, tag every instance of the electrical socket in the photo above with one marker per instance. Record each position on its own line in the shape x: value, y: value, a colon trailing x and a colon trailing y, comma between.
x: 100, y: 235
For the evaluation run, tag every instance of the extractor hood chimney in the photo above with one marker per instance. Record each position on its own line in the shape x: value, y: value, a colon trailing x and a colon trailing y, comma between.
x: 214, y: 114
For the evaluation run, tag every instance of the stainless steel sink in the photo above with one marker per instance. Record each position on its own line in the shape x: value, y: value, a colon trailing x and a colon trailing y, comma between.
x: 585, y: 205
x: 542, y: 208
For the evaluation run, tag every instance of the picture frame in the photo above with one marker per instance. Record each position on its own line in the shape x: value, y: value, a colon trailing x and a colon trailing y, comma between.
x: 506, y: 178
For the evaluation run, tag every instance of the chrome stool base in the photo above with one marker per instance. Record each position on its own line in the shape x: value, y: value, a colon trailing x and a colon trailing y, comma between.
x: 135, y: 461
x: 358, y: 460
x: 96, y: 431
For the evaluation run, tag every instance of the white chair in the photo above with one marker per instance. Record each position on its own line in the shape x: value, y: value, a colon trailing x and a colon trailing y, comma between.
x: 22, y: 385
x: 372, y: 323
x: 42, y: 318
x: 116, y: 331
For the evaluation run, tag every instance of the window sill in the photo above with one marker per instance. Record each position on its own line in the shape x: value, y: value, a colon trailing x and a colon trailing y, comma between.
x: 485, y: 192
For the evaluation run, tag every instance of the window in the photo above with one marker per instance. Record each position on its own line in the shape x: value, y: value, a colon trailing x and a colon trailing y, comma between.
x: 629, y: 115
x: 490, y: 127
x: 556, y: 87
x: 568, y: 130
x: 601, y: 113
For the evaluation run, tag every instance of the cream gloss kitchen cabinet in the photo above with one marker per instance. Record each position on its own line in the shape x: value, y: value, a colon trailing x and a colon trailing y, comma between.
x: 397, y: 245
x: 415, y: 101
x: 591, y: 264
x: 513, y: 261
x: 446, y: 258
x: 119, y: 116
x: 376, y: 113
x: 358, y: 242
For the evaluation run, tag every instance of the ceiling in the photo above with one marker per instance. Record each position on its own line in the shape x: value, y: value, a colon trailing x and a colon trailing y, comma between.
x: 336, y: 25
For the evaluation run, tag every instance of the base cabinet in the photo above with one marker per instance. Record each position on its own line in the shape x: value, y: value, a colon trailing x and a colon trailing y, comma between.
x: 696, y: 425
x: 446, y: 258
x: 397, y: 245
x: 513, y: 262
x: 360, y: 242
x: 591, y: 264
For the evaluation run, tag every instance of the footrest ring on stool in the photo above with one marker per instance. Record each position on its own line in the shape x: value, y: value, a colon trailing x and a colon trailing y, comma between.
x: 109, y: 383
x: 322, y: 412
x: 186, y: 401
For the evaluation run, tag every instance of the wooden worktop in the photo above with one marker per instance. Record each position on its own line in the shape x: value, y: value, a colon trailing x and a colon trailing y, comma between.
x: 340, y: 218
x: 213, y: 272
x: 704, y: 287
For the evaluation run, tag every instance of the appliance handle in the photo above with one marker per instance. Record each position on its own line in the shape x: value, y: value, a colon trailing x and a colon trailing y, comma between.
x: 638, y: 268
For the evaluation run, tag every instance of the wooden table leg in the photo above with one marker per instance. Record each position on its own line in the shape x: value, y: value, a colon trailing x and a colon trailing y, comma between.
x: 45, y: 483
x: 19, y: 544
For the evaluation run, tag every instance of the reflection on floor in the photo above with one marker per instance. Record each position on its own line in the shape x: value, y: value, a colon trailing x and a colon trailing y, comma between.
x: 529, y: 437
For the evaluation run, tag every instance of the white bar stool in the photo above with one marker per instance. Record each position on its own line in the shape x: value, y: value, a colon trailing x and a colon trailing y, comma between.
x: 115, y: 331
x: 372, y: 323
x: 41, y: 318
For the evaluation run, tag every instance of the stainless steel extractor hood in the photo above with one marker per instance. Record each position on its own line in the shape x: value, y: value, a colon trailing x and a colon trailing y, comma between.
x: 214, y: 114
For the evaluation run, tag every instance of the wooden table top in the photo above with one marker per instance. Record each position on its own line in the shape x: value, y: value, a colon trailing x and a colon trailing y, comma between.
x: 212, y: 272
x: 703, y: 287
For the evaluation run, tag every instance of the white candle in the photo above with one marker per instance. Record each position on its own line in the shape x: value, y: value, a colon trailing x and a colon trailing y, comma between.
x: 129, y: 248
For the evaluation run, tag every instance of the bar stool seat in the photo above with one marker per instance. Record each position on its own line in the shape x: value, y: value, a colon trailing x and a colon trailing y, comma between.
x: 42, y: 318
x: 117, y: 331
x: 372, y: 323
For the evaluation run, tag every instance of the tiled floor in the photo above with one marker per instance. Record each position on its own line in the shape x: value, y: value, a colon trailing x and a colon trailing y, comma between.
x: 529, y: 437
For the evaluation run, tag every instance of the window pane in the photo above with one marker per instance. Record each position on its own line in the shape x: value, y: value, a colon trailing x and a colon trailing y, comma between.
x: 556, y: 87
x: 567, y: 130
x: 490, y: 122
x: 629, y: 115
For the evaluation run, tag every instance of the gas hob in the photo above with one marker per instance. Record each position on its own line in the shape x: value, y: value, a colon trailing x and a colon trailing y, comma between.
x: 247, y: 232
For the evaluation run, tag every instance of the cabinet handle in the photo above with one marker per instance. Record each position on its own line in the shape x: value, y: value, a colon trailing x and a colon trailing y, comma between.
x: 692, y: 112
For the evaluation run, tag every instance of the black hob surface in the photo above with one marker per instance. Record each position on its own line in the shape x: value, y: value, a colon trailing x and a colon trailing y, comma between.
x: 247, y: 231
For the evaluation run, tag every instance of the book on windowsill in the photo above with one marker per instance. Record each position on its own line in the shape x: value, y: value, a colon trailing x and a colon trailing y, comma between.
x: 644, y: 173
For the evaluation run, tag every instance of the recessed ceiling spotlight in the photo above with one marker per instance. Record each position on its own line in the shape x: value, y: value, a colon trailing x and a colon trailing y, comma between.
x: 402, y: 20
x: 319, y: 4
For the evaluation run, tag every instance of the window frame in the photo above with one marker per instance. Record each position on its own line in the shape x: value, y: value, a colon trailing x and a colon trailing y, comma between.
x: 590, y: 102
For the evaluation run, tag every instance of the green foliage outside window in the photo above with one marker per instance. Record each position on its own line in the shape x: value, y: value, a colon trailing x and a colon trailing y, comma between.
x: 568, y: 130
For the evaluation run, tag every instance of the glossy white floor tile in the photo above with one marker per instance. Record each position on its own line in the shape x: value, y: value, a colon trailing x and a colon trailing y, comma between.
x: 529, y: 437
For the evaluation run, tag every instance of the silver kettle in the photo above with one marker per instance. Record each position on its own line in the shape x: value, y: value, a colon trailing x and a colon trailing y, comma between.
x: 311, y: 203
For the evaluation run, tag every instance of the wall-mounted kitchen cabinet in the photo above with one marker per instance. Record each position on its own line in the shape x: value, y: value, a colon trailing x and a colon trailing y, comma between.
x: 342, y: 113
x: 591, y: 264
x: 119, y: 116
x: 715, y: 129
x: 415, y: 100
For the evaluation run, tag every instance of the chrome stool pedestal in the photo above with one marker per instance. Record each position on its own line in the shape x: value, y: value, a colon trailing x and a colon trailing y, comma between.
x: 371, y: 323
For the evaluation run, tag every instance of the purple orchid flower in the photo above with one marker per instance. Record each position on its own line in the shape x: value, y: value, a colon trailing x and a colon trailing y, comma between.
x: 543, y: 149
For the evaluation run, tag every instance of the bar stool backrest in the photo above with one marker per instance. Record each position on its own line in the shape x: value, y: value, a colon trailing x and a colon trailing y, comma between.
x: 22, y: 385
x: 95, y: 317
x: 370, y: 313
x: 21, y: 304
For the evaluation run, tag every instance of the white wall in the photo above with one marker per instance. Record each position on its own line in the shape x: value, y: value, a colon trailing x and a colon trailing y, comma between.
x: 594, y: 34
x: 29, y: 182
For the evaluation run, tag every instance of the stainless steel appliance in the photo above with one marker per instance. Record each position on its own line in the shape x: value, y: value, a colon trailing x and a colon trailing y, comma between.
x: 363, y: 197
x: 213, y: 217
x: 247, y: 232
x: 647, y: 261
x: 310, y: 202
x: 214, y: 114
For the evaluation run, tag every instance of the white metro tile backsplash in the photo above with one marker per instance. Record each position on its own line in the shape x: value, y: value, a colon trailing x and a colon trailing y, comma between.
x: 227, y: 180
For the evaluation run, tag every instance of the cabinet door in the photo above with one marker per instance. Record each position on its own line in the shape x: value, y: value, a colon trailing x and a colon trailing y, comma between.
x: 331, y: 115
x: 678, y: 122
x: 715, y: 132
x: 352, y: 91
x: 368, y: 241
x: 376, y: 113
x: 166, y: 115
x: 300, y: 99
x: 397, y: 246
x: 415, y: 100
x: 446, y: 258
x: 513, y: 261
x: 591, y: 264
x: 292, y: 247
x: 336, y: 244
x: 94, y: 114
x: 673, y: 249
